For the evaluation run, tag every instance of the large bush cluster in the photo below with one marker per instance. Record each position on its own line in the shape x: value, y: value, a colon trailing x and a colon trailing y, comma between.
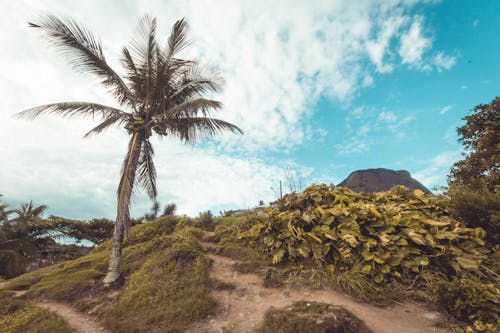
x: 387, y: 235
x: 399, y: 237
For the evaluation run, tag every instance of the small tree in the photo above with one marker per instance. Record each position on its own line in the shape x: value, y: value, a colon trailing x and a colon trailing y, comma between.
x: 474, y: 182
x: 169, y: 209
x: 481, y: 139
x: 29, y: 213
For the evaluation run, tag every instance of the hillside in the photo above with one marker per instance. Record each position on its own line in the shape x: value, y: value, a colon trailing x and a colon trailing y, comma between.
x: 384, y: 262
x: 378, y: 180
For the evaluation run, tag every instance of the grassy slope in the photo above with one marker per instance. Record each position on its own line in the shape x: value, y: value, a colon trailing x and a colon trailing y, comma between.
x: 17, y: 316
x: 166, y: 288
x: 167, y: 285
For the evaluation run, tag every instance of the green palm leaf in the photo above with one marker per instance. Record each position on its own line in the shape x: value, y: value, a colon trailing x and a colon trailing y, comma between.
x: 193, y: 128
x: 85, y: 52
x: 72, y: 109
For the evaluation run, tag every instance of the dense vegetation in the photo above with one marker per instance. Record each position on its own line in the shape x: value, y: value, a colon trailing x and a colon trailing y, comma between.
x: 166, y: 284
x: 474, y: 199
x: 382, y: 246
x: 28, y: 241
x: 398, y: 243
x: 474, y: 181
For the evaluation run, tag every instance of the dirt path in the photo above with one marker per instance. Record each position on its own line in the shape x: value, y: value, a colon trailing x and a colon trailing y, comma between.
x: 242, y: 309
x: 80, y: 322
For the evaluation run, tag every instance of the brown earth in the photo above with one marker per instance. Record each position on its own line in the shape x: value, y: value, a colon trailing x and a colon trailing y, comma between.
x: 242, y: 309
x: 78, y: 321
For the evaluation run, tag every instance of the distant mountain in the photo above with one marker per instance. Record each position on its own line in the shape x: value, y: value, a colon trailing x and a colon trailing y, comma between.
x: 377, y: 180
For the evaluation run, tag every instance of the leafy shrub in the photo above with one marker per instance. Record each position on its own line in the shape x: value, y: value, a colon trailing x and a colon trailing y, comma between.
x: 470, y: 301
x: 386, y: 236
x: 205, y: 220
x: 477, y: 207
x: 381, y: 244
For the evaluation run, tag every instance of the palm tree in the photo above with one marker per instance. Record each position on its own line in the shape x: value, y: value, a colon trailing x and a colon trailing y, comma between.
x: 4, y: 213
x: 29, y: 213
x: 159, y: 93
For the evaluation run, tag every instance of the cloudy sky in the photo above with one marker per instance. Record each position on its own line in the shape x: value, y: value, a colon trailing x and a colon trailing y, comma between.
x: 320, y: 87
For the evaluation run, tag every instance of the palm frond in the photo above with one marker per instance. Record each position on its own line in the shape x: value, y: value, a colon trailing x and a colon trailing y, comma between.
x: 127, y: 61
x: 72, y: 109
x: 178, y: 38
x: 191, y: 129
x: 146, y: 171
x: 193, y: 86
x: 140, y: 61
x: 189, y: 108
x: 85, y: 52
x: 114, y: 120
x: 143, y: 46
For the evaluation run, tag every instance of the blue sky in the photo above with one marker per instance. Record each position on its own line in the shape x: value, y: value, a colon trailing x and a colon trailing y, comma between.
x: 325, y: 88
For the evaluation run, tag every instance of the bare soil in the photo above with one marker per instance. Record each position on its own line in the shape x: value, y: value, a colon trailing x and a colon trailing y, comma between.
x: 80, y: 322
x: 242, y: 309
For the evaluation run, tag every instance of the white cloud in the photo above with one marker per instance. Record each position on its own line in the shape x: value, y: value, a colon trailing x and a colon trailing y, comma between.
x: 367, y: 81
x: 387, y: 117
x: 82, y: 182
x: 450, y: 135
x: 437, y: 168
x: 378, y: 47
x: 442, y: 61
x: 357, y: 142
x: 414, y: 44
x: 277, y: 61
x: 355, y: 145
x: 445, y: 109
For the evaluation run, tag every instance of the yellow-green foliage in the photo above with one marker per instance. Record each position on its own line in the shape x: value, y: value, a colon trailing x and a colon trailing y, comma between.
x: 311, y: 317
x: 18, y: 316
x: 470, y: 301
x: 386, y: 240
x: 386, y: 236
x: 168, y: 292
x: 250, y: 257
x: 147, y: 231
x: 477, y: 207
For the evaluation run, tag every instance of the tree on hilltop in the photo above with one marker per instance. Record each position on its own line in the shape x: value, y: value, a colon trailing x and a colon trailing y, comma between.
x: 159, y: 94
x: 474, y: 182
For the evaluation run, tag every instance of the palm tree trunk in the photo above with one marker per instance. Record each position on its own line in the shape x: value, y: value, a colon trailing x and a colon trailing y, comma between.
x: 122, y: 213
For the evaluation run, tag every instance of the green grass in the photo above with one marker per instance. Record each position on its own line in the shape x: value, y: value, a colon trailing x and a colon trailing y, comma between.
x: 64, y: 281
x: 17, y: 316
x: 169, y: 291
x: 311, y: 317
x: 166, y: 280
